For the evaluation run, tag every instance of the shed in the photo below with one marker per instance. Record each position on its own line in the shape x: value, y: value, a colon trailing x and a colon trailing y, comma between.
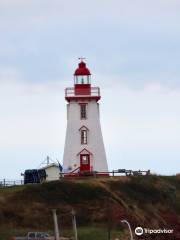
x: 52, y: 172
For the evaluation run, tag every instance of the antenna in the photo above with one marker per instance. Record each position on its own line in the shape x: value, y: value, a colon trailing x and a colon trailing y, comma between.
x: 48, y: 158
x: 47, y: 161
x: 81, y: 58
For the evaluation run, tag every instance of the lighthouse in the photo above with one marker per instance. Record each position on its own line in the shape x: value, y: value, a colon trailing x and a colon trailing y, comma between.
x: 84, y: 152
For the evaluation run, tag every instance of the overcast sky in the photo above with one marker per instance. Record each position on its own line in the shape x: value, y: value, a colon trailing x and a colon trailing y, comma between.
x: 132, y: 48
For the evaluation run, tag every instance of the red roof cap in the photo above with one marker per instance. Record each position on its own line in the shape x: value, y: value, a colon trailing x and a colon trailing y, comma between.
x: 82, y: 70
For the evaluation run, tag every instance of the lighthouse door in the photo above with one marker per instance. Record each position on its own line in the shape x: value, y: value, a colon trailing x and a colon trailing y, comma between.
x: 84, y: 162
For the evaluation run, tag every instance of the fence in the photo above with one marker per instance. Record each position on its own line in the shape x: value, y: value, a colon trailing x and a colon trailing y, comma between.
x: 118, y: 172
x: 9, y: 183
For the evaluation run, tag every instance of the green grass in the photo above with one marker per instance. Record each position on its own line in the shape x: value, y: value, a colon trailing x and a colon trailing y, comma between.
x: 84, y: 233
x: 6, y: 233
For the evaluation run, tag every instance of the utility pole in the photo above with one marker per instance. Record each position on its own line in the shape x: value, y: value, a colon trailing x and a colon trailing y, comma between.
x: 109, y: 218
x: 109, y: 224
x: 56, y: 229
x: 74, y: 224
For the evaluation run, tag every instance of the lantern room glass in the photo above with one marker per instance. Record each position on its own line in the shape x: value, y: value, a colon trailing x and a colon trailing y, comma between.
x: 82, y: 79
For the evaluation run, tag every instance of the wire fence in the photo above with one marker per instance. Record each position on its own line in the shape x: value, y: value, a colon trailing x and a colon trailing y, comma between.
x: 10, y: 182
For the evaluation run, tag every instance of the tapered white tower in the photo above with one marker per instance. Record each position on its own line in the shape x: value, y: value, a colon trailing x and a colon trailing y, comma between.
x: 84, y: 152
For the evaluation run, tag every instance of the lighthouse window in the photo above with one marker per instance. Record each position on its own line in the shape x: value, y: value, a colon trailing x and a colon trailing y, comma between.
x: 85, y: 159
x: 83, y: 111
x: 83, y: 136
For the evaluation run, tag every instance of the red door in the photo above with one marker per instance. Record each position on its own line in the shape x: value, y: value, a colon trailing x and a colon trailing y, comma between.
x: 84, y: 162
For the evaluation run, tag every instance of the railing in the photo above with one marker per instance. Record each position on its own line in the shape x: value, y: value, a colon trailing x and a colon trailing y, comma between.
x: 94, y: 92
x: 119, y: 172
x: 9, y: 183
x: 131, y: 172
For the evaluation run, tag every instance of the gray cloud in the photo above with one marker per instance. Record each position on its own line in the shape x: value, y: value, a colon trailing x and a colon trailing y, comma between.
x: 133, y: 40
x: 44, y: 11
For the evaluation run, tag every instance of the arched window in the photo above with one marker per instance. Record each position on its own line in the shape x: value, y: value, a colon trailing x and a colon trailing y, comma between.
x: 83, y: 136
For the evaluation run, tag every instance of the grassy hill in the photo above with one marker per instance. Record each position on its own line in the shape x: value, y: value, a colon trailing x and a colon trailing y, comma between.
x: 100, y: 204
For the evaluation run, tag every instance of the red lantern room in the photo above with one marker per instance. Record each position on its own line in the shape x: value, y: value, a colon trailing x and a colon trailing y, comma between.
x: 82, y: 80
x: 82, y: 85
x: 82, y: 74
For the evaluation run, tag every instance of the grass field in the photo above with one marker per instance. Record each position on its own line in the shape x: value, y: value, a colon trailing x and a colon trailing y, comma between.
x: 84, y: 233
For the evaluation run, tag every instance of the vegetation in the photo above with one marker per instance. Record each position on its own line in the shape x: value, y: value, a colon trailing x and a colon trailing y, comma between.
x: 84, y: 233
x: 100, y: 204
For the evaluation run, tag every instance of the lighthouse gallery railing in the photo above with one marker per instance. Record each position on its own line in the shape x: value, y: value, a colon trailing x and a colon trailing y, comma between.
x: 70, y: 92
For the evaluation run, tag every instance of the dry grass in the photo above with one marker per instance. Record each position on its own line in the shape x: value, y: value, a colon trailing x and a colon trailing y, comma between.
x: 141, y: 200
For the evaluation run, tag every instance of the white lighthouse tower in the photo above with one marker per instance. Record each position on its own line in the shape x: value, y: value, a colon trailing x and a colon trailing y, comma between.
x: 84, y: 152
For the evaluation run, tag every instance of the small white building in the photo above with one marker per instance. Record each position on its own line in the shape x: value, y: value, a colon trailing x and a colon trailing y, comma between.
x: 52, y: 172
x: 84, y: 148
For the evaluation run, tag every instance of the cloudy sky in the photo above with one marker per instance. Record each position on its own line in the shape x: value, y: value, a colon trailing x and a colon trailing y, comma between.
x: 132, y: 48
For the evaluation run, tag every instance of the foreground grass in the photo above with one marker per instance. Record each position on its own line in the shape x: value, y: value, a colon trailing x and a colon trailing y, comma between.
x: 84, y: 233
